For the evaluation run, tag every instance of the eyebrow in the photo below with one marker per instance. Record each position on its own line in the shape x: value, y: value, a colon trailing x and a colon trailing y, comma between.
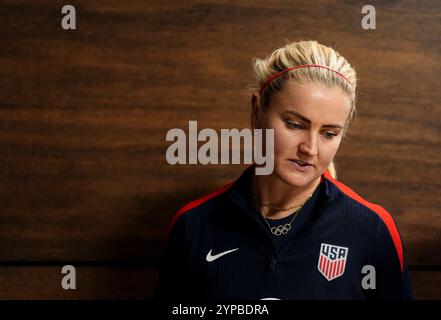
x: 309, y: 121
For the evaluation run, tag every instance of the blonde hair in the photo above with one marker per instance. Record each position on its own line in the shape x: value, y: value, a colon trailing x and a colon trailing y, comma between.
x: 304, y: 53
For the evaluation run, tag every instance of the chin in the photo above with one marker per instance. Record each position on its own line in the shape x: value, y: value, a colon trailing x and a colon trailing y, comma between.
x: 295, y: 178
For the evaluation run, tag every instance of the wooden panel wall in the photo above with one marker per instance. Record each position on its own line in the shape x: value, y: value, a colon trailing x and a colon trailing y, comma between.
x: 84, y: 114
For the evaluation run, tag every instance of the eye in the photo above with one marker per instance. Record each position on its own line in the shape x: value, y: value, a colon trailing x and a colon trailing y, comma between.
x: 294, y: 125
x: 329, y: 135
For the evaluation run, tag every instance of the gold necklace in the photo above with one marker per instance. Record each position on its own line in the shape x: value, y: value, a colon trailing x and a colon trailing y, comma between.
x: 281, y: 229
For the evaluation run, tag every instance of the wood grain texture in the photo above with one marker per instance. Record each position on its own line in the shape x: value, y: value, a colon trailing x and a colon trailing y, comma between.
x: 93, y: 283
x: 84, y: 114
x: 122, y: 282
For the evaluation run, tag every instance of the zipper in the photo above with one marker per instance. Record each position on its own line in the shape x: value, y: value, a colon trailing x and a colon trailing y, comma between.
x: 286, y: 246
x: 273, y: 256
x: 263, y: 227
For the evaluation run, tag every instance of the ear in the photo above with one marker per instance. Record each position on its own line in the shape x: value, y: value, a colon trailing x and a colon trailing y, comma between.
x: 256, y: 109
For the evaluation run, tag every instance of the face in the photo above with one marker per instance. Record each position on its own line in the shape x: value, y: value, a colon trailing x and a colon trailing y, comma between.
x: 308, y: 121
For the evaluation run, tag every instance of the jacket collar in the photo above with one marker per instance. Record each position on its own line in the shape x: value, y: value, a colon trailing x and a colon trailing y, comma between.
x: 240, y: 194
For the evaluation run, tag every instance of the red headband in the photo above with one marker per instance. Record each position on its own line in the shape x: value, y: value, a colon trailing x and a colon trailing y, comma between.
x: 299, y: 67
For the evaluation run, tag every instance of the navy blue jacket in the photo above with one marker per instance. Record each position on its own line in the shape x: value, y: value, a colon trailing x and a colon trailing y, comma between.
x: 340, y: 247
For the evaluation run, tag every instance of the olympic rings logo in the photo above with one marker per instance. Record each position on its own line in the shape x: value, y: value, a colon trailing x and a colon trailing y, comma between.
x: 282, y: 229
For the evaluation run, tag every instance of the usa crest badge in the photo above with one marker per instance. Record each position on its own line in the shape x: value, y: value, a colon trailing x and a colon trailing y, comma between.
x: 332, y: 261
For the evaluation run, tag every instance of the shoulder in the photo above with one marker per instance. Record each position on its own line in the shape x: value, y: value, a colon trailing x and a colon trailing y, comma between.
x: 343, y: 193
x: 363, y: 210
x: 205, y: 203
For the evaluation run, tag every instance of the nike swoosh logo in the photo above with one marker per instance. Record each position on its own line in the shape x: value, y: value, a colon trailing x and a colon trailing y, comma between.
x: 211, y: 257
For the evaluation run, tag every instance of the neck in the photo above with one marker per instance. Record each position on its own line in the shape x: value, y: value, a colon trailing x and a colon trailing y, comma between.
x: 273, y: 191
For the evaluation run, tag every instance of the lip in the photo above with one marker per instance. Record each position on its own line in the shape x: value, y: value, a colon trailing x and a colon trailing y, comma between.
x: 309, y: 164
x: 299, y: 167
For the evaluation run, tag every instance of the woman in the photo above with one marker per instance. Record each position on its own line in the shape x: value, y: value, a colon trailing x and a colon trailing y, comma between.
x: 297, y: 233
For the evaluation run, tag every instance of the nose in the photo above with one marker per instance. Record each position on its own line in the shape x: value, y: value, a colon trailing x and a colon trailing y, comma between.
x: 309, y: 144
